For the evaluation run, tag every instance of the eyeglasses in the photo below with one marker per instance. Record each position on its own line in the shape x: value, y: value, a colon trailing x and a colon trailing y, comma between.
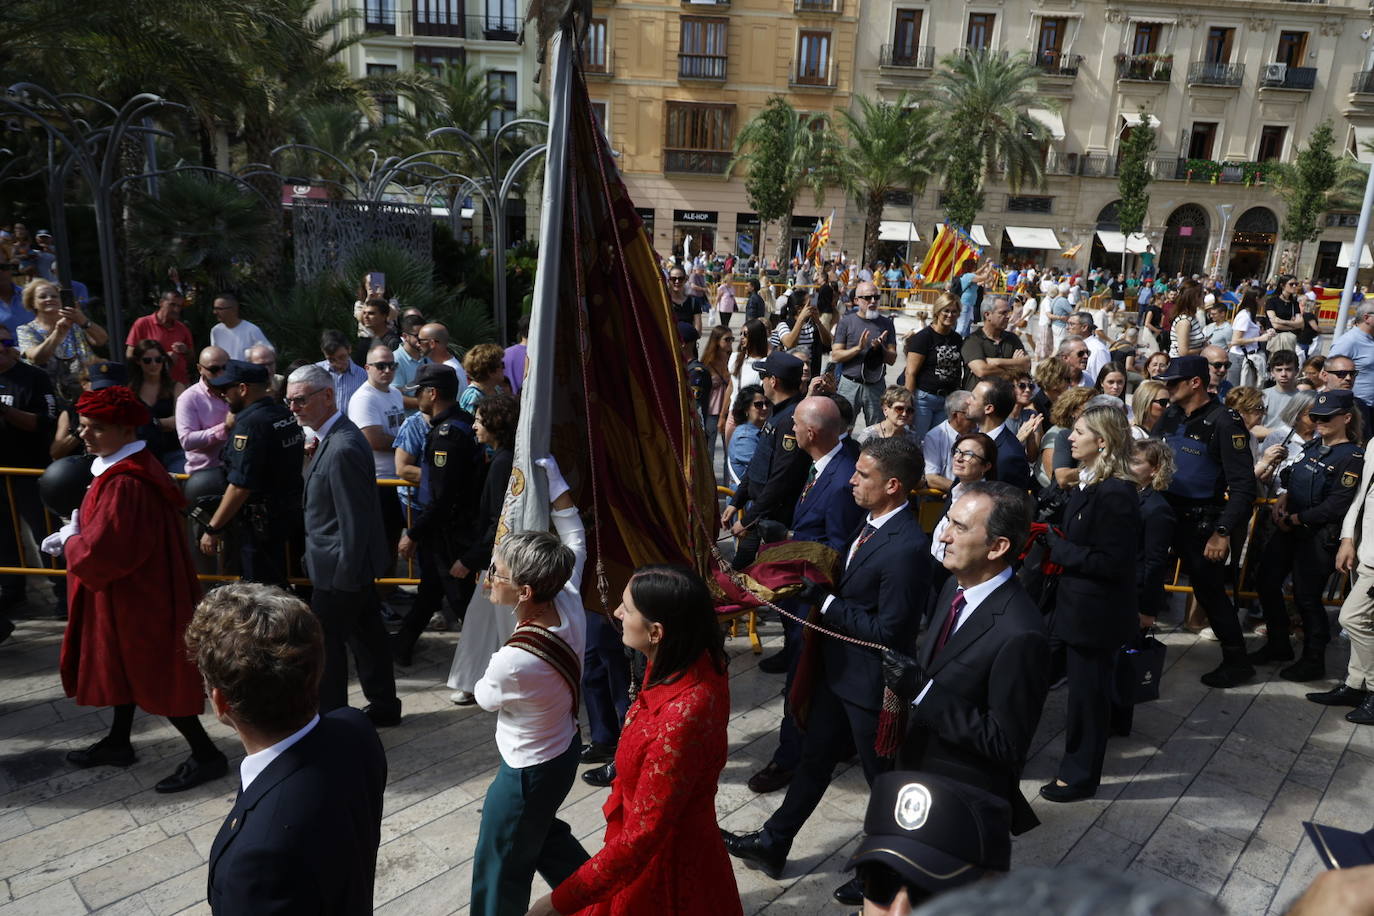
x: 1343, y: 373
x: 868, y: 298
x: 213, y: 369
x: 300, y: 401
x: 1080, y: 353
x: 676, y: 279
x: 383, y: 366
x: 150, y: 360
x: 1225, y: 365
x: 760, y: 405
x: 899, y: 408
x: 968, y: 455
x: 496, y: 577
x: 1162, y: 402
x: 1025, y: 386
x: 1292, y: 283
x: 881, y: 883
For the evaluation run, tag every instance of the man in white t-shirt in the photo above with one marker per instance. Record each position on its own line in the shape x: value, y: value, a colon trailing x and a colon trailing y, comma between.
x: 378, y: 410
x: 234, y: 334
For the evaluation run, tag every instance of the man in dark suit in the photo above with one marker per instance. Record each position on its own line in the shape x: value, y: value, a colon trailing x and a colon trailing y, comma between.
x: 979, y: 679
x: 826, y: 513
x: 345, y: 549
x: 878, y: 600
x: 993, y: 401
x: 303, y: 834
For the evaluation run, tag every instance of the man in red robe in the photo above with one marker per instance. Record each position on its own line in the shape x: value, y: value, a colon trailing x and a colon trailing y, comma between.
x: 132, y: 591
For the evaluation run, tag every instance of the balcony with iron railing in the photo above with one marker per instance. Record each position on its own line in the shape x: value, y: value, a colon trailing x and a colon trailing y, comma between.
x: 695, y: 161
x: 720, y: 4
x: 1147, y: 68
x: 1282, y: 76
x: 817, y: 6
x: 907, y: 57
x: 1214, y: 73
x: 437, y: 24
x: 1052, y: 63
x: 1363, y: 82
x: 701, y: 67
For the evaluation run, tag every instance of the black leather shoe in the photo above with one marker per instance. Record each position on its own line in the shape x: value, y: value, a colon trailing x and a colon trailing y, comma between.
x: 756, y: 852
x: 1280, y: 650
x: 6, y: 628
x: 1340, y: 695
x: 1053, y: 791
x: 851, y: 893
x: 601, y: 776
x: 1307, y: 668
x: 775, y: 663
x: 1362, y: 714
x: 192, y: 773
x: 769, y: 779
x: 383, y: 716
x: 103, y: 754
x: 596, y: 753
x: 1230, y: 673
x: 402, y: 652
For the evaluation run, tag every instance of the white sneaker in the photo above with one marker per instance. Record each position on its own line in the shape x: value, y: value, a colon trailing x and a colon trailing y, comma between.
x: 1207, y: 633
x: 462, y: 698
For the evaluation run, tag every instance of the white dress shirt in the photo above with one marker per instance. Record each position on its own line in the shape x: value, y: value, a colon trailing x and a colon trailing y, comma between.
x: 974, y: 596
x: 252, y: 766
x: 823, y: 461
x: 877, y: 524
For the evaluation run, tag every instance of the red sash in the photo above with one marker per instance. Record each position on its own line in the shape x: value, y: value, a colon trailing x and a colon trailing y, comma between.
x: 543, y: 643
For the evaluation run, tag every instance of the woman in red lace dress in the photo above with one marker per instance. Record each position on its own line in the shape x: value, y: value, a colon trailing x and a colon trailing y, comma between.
x: 663, y: 852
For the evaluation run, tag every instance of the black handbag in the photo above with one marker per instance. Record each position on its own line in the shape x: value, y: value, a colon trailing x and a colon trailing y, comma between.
x: 1139, y: 669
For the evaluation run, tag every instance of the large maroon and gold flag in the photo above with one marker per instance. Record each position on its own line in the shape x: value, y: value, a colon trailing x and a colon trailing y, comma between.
x: 620, y: 420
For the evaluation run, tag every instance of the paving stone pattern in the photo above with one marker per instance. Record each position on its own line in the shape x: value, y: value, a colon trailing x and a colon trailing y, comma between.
x: 1209, y: 792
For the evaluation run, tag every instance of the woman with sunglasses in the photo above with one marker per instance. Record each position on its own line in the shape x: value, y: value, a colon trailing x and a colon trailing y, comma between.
x: 532, y: 683
x: 152, y: 383
x: 1283, y: 313
x: 750, y: 411
x: 59, y: 339
x: 898, y: 411
x: 716, y: 359
x: 934, y: 365
x: 1148, y: 404
x: 663, y: 850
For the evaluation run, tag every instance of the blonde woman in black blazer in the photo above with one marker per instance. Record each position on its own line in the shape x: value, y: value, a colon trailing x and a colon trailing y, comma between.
x: 1095, y: 606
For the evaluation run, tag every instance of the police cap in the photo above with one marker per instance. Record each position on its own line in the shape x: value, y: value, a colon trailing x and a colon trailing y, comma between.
x: 935, y: 832
x: 687, y: 332
x: 1332, y: 402
x: 107, y: 375
x: 783, y: 366
x: 439, y: 377
x: 1181, y: 367
x: 239, y: 372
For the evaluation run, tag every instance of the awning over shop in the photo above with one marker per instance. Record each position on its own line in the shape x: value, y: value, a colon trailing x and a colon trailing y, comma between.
x: 1052, y: 120
x: 1133, y: 118
x: 897, y: 230
x: 1347, y: 249
x: 1030, y: 237
x: 979, y: 235
x: 1363, y: 137
x: 1116, y: 243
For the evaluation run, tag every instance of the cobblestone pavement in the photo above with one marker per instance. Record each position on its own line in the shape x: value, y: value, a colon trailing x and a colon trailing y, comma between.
x: 1209, y: 792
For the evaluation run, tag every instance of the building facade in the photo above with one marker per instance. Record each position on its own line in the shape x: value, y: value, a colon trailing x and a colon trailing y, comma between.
x: 676, y: 81
x: 1229, y: 87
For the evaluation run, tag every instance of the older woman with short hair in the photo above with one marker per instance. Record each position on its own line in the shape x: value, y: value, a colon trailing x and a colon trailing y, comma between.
x: 899, y: 409
x: 486, y: 369
x: 60, y: 338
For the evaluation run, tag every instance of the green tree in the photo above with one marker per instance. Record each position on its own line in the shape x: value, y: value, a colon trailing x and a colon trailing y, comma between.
x: 888, y: 150
x: 783, y: 152
x: 981, y: 127
x: 1304, y: 185
x: 1133, y: 179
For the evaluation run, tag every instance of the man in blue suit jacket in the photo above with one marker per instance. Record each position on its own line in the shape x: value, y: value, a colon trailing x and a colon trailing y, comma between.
x: 303, y: 834
x: 993, y: 401
x: 826, y: 513
x: 345, y: 549
x: 879, y: 599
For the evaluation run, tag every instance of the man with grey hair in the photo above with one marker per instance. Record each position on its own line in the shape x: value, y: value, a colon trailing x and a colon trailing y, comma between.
x: 1358, y: 344
x: 1074, y: 352
x: 345, y: 549
x: 1080, y: 324
x: 264, y: 355
x: 938, y: 445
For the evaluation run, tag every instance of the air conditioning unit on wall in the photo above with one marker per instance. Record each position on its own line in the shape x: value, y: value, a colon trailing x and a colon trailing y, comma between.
x: 1274, y: 73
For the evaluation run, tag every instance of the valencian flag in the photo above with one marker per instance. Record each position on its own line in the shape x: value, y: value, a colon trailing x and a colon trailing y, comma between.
x: 606, y: 392
x: 1328, y: 303
x: 951, y: 247
x: 820, y: 237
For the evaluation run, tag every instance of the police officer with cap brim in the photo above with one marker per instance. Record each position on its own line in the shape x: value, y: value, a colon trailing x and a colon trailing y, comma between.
x: 1212, y: 494
x: 926, y: 834
x: 262, y: 460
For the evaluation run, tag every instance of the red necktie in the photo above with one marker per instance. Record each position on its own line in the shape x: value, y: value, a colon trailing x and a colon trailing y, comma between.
x: 955, y: 608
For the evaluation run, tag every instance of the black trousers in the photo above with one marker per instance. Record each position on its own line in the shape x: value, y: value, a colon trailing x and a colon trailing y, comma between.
x: 435, y: 585
x: 29, y: 509
x: 1089, y: 671
x: 605, y: 680
x: 350, y: 621
x: 1304, y: 554
x: 835, y: 729
x: 263, y: 555
x: 1209, y: 581
x: 790, y: 736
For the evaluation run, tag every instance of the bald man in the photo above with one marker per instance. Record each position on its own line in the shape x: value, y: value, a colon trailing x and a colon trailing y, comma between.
x: 202, y: 416
x: 433, y: 339
x: 1218, y: 365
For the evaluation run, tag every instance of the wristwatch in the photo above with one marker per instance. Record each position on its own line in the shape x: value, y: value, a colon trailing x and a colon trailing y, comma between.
x: 1223, y: 531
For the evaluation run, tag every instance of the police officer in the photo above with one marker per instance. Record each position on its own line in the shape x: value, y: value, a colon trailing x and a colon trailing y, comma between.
x: 698, y: 376
x: 777, y: 472
x: 455, y: 465
x: 262, y: 459
x: 1212, y: 494
x: 1318, y: 490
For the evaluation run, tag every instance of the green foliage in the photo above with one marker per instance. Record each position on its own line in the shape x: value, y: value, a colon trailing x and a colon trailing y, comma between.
x: 981, y: 126
x: 1304, y: 185
x: 1133, y: 177
x: 888, y: 150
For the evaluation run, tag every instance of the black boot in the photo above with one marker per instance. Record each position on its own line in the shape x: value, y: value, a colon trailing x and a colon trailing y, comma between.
x: 1311, y: 667
x: 1275, y: 649
x: 1235, y: 669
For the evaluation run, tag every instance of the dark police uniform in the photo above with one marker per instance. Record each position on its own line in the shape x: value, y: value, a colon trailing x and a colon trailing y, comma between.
x: 772, y: 482
x: 699, y: 385
x: 264, y: 454
x: 23, y: 387
x: 1321, y: 486
x: 1213, y: 492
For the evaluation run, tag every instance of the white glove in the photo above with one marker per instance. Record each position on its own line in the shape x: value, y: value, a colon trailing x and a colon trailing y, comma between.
x: 557, y: 485
x: 54, y: 543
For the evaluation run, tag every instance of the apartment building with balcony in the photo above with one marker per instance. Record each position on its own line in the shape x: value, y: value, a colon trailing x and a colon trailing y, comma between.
x: 1229, y: 86
x: 676, y: 81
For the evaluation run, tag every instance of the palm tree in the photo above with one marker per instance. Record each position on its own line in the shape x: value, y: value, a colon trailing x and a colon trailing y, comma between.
x: 888, y: 150
x: 981, y: 126
x: 783, y: 152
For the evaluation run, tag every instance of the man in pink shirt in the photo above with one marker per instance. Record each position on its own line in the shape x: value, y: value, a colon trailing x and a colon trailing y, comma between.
x: 166, y: 328
x: 201, y: 415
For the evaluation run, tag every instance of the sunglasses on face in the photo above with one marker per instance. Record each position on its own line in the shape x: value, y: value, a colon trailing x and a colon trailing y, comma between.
x: 880, y: 884
x: 383, y: 366
x: 213, y: 369
x: 676, y: 279
x: 760, y: 405
x: 899, y: 408
x: 1343, y: 373
x: 868, y: 298
x: 1024, y: 386
x: 1080, y: 353
x: 1162, y: 402
x: 1225, y: 365
x: 150, y: 360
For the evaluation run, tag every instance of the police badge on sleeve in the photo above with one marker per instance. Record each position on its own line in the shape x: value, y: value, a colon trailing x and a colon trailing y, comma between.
x: 240, y: 443
x: 1238, y: 442
x: 440, y: 459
